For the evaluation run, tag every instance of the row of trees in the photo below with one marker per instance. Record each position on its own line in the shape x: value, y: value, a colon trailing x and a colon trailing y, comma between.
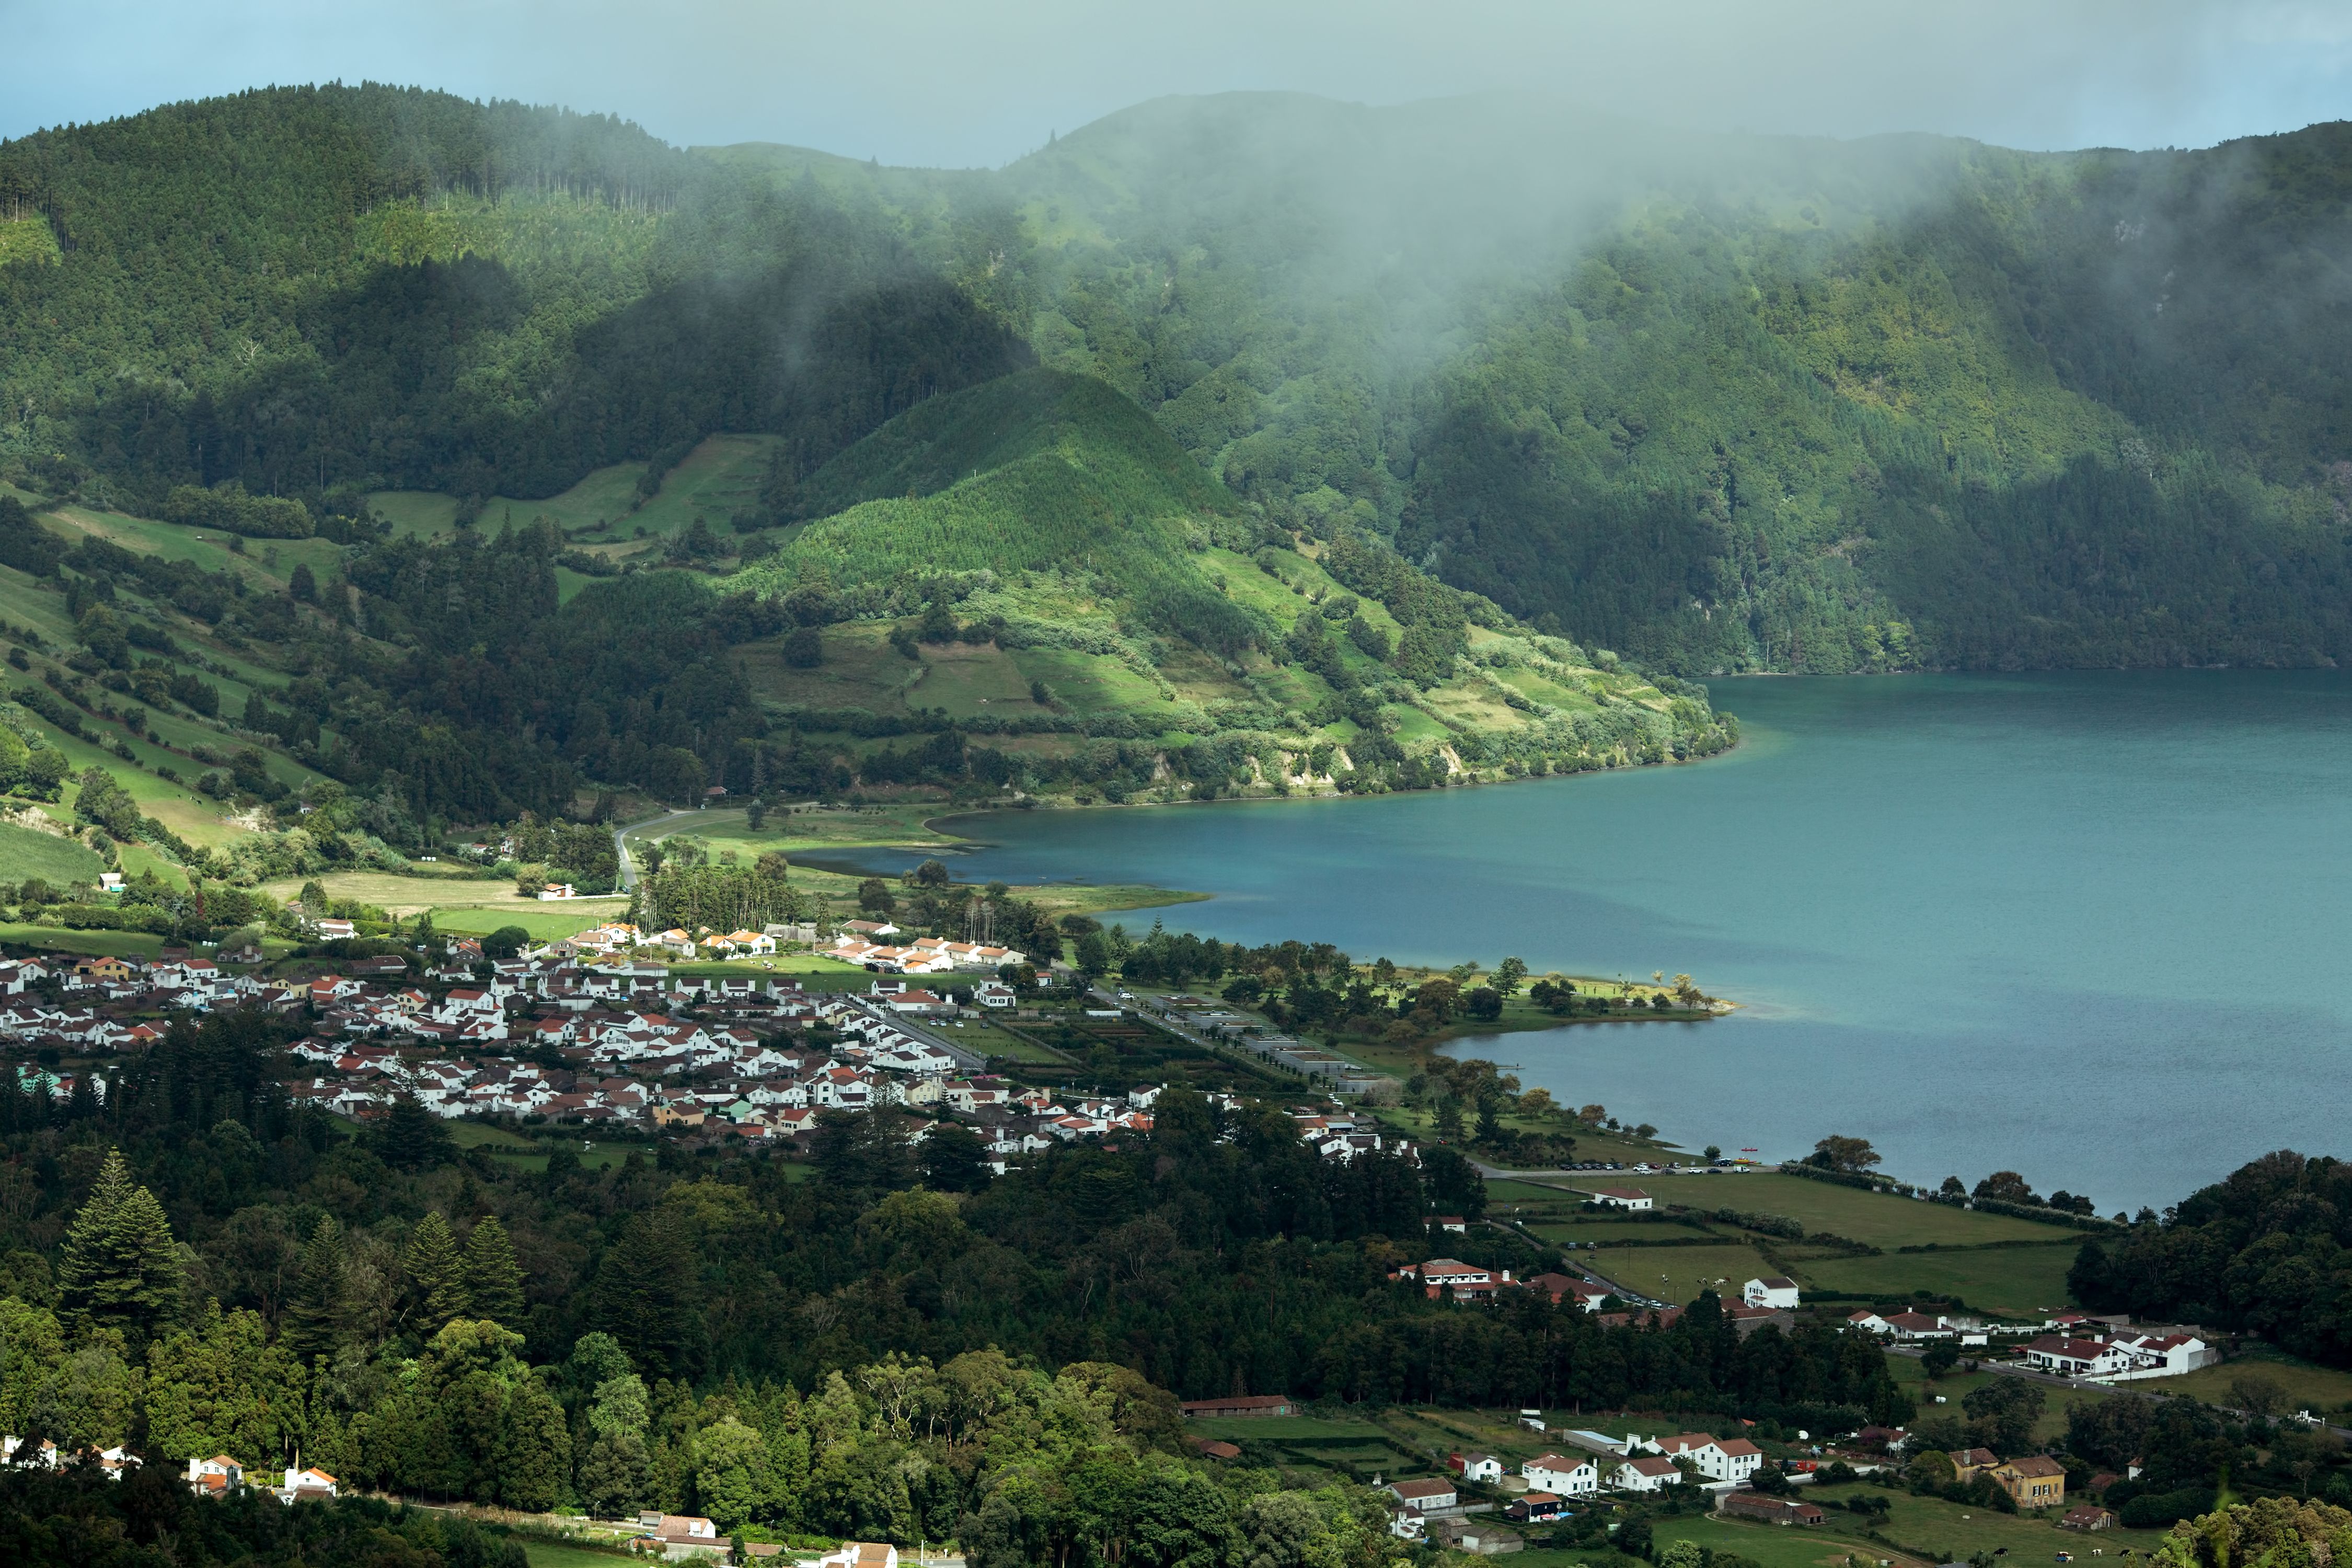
x: 2261, y: 1251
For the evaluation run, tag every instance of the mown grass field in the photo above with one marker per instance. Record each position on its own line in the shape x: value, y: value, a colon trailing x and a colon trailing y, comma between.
x: 1875, y: 1218
x: 58, y: 939
x: 719, y: 478
x: 26, y: 852
x: 2015, y: 1281
x: 2306, y: 1386
x: 1953, y: 1533
x: 1832, y: 1544
x: 557, y: 1554
x: 1603, y: 1231
x: 1686, y: 1271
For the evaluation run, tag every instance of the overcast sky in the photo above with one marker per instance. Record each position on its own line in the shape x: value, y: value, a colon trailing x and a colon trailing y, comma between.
x: 972, y: 82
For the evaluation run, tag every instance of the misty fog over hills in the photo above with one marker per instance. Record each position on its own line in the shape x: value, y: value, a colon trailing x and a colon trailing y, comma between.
x: 1719, y: 402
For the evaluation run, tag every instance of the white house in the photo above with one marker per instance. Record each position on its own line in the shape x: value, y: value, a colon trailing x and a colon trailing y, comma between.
x: 1564, y: 1475
x: 214, y: 1477
x: 1645, y: 1474
x: 1771, y: 1291
x: 2166, y: 1355
x: 680, y: 1535
x: 2078, y: 1358
x: 861, y: 1555
x: 1477, y: 1468
x: 1632, y: 1198
x: 1718, y: 1458
x: 1920, y: 1326
x: 312, y: 1482
x: 1868, y: 1321
x: 50, y: 1458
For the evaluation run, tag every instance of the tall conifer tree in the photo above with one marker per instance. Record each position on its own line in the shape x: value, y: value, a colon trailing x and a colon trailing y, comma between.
x: 493, y: 1278
x: 121, y: 1267
x: 436, y: 1273
x: 314, y: 1318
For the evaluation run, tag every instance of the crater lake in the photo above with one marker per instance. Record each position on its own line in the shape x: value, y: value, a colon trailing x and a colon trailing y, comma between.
x: 2091, y: 927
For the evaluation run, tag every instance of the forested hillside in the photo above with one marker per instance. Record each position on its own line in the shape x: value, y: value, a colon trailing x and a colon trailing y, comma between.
x: 1726, y: 402
x: 1719, y: 403
x: 506, y: 389
x: 898, y: 1348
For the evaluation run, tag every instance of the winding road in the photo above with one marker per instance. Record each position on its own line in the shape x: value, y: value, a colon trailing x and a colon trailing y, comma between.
x: 628, y: 868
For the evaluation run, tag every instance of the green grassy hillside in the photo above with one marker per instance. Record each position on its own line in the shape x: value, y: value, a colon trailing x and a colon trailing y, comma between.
x: 1728, y: 402
x: 1035, y: 561
x: 1719, y: 402
x: 1044, y: 473
x: 482, y: 458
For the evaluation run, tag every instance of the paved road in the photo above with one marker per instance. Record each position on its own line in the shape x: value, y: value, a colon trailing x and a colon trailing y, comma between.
x: 627, y: 867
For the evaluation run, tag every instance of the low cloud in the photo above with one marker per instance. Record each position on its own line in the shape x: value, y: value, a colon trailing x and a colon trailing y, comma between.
x: 952, y: 82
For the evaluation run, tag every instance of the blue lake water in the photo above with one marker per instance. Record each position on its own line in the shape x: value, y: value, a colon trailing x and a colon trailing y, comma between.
x: 2090, y: 927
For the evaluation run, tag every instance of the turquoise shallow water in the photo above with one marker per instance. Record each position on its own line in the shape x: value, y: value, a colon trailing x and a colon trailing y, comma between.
x: 2090, y: 927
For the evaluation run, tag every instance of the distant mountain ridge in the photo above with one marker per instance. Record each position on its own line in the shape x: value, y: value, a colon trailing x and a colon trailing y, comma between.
x: 1721, y: 403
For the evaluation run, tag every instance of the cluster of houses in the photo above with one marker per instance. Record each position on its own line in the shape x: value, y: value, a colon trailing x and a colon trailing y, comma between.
x: 2120, y: 1357
x: 1433, y: 1509
x: 1595, y: 1462
x: 2068, y: 1344
x: 631, y: 1067
x: 867, y: 943
x: 219, y: 1476
x: 563, y: 1036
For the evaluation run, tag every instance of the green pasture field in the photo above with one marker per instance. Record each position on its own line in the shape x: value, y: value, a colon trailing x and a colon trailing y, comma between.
x: 1687, y: 1269
x: 968, y: 679
x: 457, y: 905
x: 1089, y: 683
x: 814, y: 969
x: 715, y: 480
x: 1606, y: 1231
x: 1877, y: 1219
x: 1955, y: 1532
x: 2307, y: 1386
x: 265, y: 563
x: 27, y: 852
x: 813, y: 828
x: 412, y: 512
x: 999, y: 1043
x: 2015, y: 1281
x: 1506, y: 1190
x: 530, y: 1153
x: 1830, y: 1544
x: 1957, y: 1384
x: 92, y: 944
x: 545, y: 923
x: 603, y: 1156
x: 559, y: 1555
x: 861, y: 669
x: 137, y: 859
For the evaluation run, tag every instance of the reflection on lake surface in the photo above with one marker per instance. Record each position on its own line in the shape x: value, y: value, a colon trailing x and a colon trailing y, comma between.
x: 2089, y: 927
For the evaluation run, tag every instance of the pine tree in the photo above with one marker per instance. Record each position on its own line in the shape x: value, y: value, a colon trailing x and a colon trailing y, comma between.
x: 84, y: 1260
x: 435, y: 1274
x: 314, y: 1316
x: 121, y: 1267
x: 493, y: 1280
